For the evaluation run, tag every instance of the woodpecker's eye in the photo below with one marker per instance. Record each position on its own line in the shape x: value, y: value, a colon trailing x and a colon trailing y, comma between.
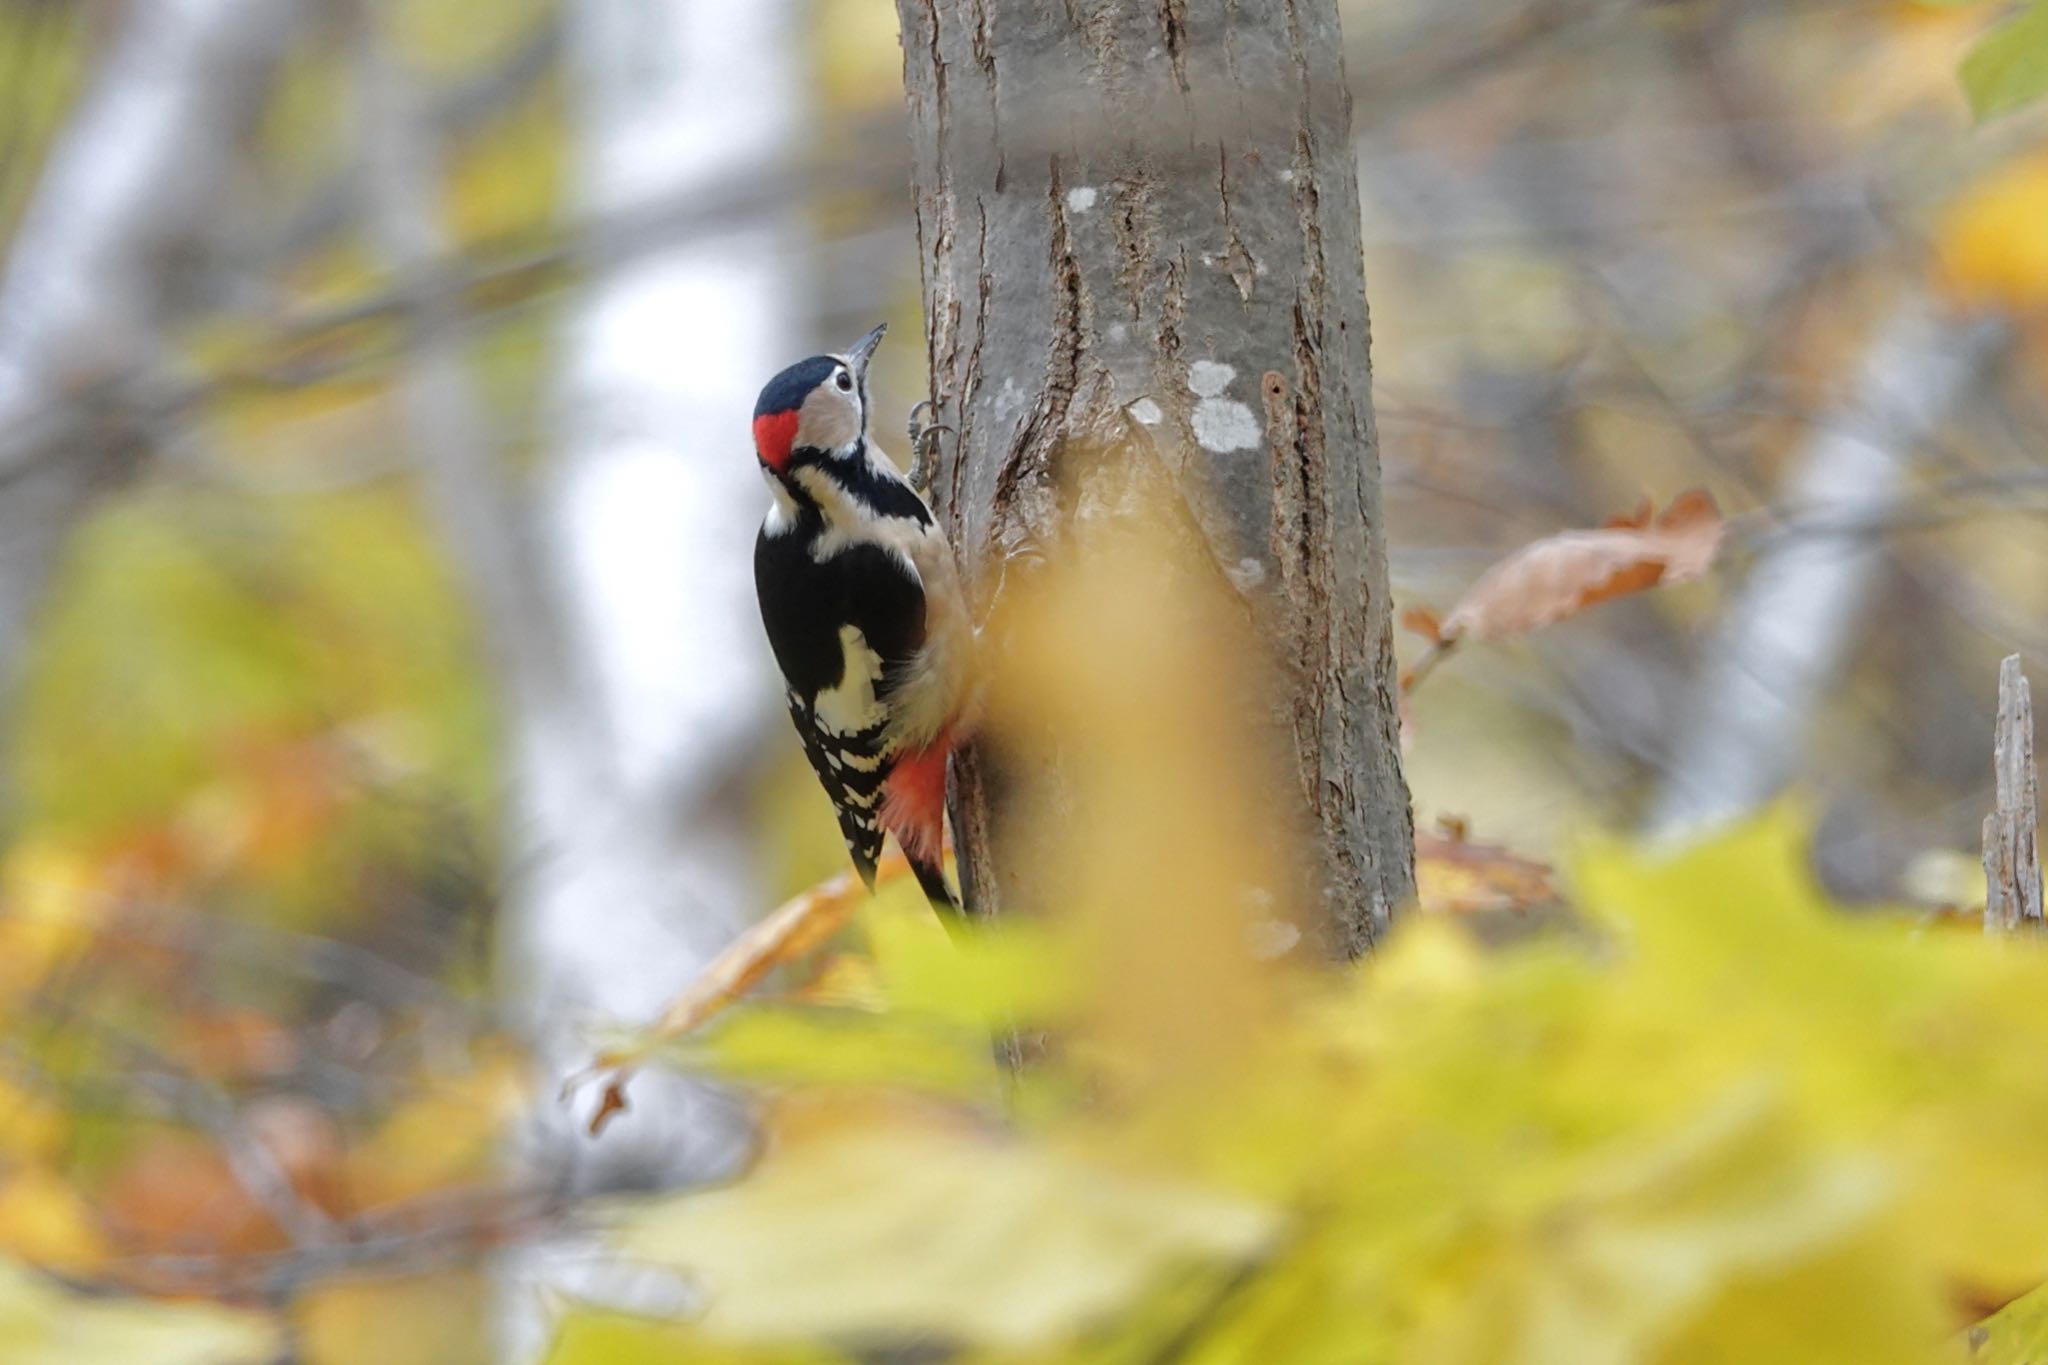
x: 844, y: 381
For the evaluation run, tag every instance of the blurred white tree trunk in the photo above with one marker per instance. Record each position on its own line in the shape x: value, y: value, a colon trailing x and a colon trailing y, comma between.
x: 638, y: 870
x: 127, y: 190
x: 1788, y: 634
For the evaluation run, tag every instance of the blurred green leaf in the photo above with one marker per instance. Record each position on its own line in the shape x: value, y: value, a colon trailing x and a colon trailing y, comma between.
x: 2016, y: 1334
x: 237, y: 678
x: 598, y: 1338
x: 2008, y: 68
x: 970, y: 976
x: 906, y: 1230
x: 827, y: 1046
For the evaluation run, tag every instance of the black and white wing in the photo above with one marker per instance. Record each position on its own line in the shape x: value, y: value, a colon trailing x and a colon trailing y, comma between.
x: 841, y: 629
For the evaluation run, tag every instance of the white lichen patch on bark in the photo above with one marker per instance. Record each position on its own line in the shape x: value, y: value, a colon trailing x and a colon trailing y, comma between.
x: 1248, y: 574
x: 1209, y: 378
x: 1224, y: 424
x: 1220, y: 424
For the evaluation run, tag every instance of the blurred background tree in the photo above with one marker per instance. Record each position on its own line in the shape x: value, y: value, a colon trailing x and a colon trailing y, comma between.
x: 383, y: 705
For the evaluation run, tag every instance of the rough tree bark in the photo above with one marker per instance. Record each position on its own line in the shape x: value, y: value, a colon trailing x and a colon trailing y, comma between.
x: 1140, y: 232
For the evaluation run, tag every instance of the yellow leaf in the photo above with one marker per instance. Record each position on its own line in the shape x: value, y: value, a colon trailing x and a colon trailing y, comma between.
x: 859, y: 63
x: 33, y: 1125
x: 43, y: 1324
x: 1624, y: 1258
x: 821, y: 1046
x: 595, y: 1338
x: 2016, y: 1334
x: 907, y: 1230
x: 971, y: 975
x: 431, y: 1319
x: 44, y: 1221
x: 1989, y: 247
x: 50, y: 900
x: 1923, y: 1038
x: 447, y: 1134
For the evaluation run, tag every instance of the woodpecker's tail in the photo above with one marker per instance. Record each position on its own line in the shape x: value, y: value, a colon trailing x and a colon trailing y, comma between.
x: 914, y: 810
x: 932, y: 877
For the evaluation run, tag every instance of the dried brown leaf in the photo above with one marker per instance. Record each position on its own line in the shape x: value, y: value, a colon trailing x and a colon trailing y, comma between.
x: 1562, y: 575
x: 1422, y: 621
x: 1455, y: 876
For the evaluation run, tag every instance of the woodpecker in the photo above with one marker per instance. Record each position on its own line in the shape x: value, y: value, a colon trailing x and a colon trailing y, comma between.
x: 864, y: 611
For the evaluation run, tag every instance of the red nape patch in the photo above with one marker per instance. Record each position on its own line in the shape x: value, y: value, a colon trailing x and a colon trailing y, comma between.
x: 914, y: 800
x: 772, y: 434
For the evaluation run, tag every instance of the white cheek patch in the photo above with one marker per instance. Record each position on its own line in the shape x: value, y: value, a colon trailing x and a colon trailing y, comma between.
x: 829, y: 419
x: 850, y: 706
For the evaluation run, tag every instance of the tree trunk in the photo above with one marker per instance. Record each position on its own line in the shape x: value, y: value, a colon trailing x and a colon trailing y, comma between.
x: 1140, y: 231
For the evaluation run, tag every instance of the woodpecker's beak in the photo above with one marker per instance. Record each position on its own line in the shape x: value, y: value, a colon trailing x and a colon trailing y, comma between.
x: 863, y: 349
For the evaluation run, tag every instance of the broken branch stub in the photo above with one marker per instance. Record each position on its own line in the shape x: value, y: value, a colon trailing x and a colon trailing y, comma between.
x: 2012, y: 862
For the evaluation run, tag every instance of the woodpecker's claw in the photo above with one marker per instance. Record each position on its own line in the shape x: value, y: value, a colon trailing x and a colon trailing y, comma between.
x: 924, y: 445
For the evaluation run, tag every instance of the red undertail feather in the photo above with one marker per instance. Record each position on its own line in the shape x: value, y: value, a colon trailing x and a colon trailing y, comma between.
x: 914, y: 801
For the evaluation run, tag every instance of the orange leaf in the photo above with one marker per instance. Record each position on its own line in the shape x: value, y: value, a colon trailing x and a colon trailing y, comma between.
x: 1422, y: 621
x: 1640, y: 519
x: 1562, y: 575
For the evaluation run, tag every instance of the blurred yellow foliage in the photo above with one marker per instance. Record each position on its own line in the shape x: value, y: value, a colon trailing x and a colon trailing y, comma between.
x: 1991, y: 251
x: 52, y: 895
x: 508, y: 179
x: 1729, y: 1123
x: 594, y: 1338
x: 43, y: 1324
x: 45, y: 1221
x: 429, y: 1319
x: 992, y: 1240
x: 856, y: 55
x: 447, y: 1134
x: 2015, y: 1335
